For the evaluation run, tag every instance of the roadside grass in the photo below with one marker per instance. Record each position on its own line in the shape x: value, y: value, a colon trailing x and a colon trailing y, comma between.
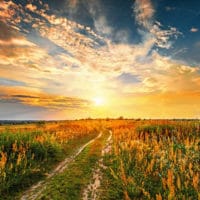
x: 69, y: 185
x: 27, y: 160
x: 111, y: 186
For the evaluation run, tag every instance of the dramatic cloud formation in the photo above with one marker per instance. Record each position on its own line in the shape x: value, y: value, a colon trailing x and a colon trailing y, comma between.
x: 38, y: 99
x: 144, y: 14
x: 50, y: 60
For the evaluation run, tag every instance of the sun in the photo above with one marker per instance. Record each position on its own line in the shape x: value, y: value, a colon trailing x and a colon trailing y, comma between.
x: 98, y: 101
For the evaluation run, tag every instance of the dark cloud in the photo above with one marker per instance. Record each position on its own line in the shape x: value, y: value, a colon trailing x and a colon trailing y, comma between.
x: 8, y: 100
x: 24, y: 96
x: 46, y: 101
x: 7, y: 33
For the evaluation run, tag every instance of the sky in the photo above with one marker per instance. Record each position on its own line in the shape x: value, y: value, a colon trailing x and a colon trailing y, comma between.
x: 72, y: 59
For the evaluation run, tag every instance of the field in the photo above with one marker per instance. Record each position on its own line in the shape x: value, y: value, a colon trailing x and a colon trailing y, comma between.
x: 101, y: 159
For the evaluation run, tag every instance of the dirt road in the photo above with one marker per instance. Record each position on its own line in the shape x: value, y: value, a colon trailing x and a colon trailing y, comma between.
x: 36, y: 190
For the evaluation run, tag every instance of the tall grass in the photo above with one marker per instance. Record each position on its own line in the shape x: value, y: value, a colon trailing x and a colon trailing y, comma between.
x: 27, y: 152
x: 23, y: 154
x: 157, y: 159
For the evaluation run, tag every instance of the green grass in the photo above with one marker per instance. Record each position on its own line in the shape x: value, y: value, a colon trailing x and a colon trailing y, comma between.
x: 31, y: 169
x: 128, y: 173
x: 24, y: 156
x: 69, y: 185
x: 111, y: 187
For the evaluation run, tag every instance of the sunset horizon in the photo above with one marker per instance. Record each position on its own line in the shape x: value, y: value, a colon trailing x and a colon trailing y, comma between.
x: 74, y: 59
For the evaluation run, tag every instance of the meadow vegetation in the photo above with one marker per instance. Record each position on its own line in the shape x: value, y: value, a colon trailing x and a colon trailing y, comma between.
x: 28, y: 152
x: 149, y: 159
x: 153, y: 160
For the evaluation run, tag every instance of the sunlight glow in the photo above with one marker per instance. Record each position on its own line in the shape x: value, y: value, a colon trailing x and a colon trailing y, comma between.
x: 98, y: 101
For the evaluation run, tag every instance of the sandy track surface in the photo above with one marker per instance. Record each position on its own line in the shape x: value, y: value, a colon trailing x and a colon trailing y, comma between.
x: 91, y: 192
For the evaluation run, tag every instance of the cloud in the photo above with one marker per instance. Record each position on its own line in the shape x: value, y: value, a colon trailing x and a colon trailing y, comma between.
x: 197, y: 44
x: 100, y: 21
x: 10, y: 82
x: 144, y: 15
x: 96, y: 62
x: 144, y: 12
x: 7, y: 9
x: 31, y: 7
x: 194, y: 30
x: 62, y: 63
x: 39, y: 99
x: 7, y: 33
x: 162, y: 37
x: 169, y: 8
x: 101, y: 26
x: 73, y: 3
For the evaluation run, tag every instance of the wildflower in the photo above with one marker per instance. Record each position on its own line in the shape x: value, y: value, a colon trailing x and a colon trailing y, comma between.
x: 3, y: 160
